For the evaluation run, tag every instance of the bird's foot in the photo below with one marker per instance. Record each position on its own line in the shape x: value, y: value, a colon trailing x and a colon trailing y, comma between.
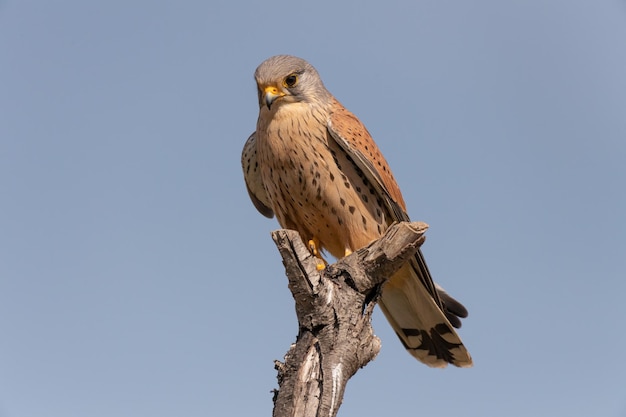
x: 321, y: 263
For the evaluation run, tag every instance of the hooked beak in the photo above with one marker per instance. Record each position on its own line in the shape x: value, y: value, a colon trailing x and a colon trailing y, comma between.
x: 271, y: 93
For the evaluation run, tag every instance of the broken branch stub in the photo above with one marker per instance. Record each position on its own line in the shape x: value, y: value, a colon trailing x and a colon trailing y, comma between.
x: 334, y: 309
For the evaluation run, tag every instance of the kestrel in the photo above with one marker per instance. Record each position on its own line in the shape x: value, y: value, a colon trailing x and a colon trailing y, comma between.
x: 315, y: 166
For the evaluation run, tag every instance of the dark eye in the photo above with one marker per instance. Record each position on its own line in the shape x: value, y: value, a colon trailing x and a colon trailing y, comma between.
x: 290, y: 80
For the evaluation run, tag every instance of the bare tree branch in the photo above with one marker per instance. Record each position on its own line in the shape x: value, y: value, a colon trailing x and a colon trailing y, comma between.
x: 334, y: 309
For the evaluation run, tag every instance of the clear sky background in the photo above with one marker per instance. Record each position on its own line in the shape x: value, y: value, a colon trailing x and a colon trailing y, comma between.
x: 136, y: 278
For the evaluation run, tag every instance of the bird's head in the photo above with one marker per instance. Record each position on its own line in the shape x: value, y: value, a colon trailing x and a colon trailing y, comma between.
x: 284, y: 79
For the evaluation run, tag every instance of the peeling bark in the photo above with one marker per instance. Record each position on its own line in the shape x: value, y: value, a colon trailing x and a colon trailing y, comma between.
x: 334, y: 309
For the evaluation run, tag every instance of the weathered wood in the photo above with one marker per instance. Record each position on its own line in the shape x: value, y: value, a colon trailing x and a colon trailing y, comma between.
x: 334, y: 309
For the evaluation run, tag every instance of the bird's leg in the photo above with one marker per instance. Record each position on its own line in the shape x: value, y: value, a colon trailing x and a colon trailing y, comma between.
x: 347, y: 252
x: 313, y: 245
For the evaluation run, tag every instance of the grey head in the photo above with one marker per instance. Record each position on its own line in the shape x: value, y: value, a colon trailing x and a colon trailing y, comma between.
x: 284, y: 79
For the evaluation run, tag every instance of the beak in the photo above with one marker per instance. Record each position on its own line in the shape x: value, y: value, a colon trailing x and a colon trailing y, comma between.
x: 271, y: 93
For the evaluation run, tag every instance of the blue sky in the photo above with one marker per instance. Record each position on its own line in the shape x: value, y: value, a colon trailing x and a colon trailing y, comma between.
x: 137, y: 279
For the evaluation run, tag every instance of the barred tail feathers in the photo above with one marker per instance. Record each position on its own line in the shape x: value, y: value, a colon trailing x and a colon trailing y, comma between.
x: 420, y: 323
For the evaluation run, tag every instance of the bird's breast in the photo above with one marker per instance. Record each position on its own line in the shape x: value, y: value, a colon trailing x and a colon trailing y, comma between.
x: 314, y: 187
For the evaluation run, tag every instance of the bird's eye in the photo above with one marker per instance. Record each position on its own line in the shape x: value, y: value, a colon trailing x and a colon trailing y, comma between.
x: 291, y: 80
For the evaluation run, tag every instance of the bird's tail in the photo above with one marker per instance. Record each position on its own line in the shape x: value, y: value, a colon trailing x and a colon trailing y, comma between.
x: 418, y: 316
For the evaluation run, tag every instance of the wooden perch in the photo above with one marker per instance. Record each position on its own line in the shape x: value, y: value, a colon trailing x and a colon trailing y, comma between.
x: 334, y: 309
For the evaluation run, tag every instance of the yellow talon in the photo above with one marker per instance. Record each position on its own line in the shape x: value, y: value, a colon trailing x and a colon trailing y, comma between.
x: 313, y: 248
x: 321, y: 263
x: 348, y: 252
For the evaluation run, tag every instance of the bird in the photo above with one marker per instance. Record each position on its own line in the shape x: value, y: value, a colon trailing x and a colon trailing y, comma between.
x: 313, y: 164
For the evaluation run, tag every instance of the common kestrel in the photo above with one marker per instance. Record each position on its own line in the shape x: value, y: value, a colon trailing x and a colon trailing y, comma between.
x: 315, y: 166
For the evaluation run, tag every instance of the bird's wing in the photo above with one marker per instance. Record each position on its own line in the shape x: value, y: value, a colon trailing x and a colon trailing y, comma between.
x: 251, y: 175
x: 410, y: 300
x: 352, y: 136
